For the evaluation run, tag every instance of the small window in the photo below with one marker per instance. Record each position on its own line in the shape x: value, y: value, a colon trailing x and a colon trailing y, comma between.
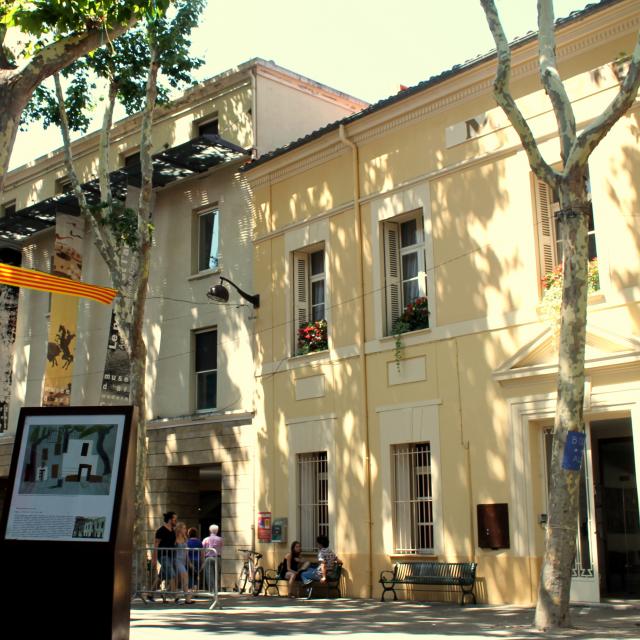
x: 405, y: 269
x: 313, y: 498
x: 208, y: 225
x: 63, y: 185
x: 85, y: 449
x: 132, y: 160
x: 309, y: 289
x: 45, y: 455
x: 210, y: 128
x: 413, y: 499
x: 4, y: 416
x: 206, y: 372
x: 9, y: 209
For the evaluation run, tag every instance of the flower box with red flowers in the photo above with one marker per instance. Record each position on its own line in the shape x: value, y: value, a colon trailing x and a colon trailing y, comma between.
x: 415, y: 316
x: 312, y: 337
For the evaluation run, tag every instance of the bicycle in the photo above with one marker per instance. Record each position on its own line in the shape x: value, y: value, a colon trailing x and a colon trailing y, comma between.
x: 251, y: 572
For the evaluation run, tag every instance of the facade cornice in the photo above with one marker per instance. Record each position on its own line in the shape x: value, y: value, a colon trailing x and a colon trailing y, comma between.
x: 463, y: 165
x: 468, y: 84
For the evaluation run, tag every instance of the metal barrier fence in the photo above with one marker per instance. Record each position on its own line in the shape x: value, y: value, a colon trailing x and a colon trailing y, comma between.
x: 178, y: 574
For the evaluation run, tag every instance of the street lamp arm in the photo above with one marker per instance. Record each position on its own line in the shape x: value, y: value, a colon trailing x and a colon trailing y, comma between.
x: 254, y: 300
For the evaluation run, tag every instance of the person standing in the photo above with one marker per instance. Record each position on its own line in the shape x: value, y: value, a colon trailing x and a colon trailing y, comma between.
x: 182, y: 562
x: 165, y: 539
x: 195, y: 557
x: 212, y: 549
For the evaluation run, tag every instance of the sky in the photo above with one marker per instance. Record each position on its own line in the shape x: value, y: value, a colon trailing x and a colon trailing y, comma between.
x: 366, y: 48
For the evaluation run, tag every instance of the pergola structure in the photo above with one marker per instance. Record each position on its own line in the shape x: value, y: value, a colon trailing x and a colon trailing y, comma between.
x: 183, y: 161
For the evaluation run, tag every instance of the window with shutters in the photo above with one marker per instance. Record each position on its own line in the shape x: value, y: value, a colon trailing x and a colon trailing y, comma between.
x: 313, y: 498
x: 206, y: 369
x: 404, y: 265
x: 549, y: 243
x: 413, y: 498
x: 309, y: 288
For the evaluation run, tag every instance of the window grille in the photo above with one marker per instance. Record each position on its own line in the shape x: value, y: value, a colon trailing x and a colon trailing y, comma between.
x: 413, y: 498
x: 313, y: 502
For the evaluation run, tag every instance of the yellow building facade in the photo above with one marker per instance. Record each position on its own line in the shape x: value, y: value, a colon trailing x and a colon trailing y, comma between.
x: 398, y: 448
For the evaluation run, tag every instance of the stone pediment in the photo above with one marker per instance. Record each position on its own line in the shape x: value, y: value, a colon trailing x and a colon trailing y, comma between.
x: 540, y: 356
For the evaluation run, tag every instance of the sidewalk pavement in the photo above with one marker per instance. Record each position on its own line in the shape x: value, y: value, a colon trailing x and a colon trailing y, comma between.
x: 249, y: 617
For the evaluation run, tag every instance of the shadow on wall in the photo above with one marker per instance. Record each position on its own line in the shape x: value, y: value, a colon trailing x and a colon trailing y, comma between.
x: 627, y: 169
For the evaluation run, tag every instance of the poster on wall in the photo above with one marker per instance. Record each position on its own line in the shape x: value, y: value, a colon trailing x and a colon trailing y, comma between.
x: 264, y: 526
x: 67, y: 469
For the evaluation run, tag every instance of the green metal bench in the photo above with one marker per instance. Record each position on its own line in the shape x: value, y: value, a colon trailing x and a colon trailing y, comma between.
x: 458, y: 574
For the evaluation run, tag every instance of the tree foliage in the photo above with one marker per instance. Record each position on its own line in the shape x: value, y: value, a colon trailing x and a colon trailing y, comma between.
x: 124, y: 63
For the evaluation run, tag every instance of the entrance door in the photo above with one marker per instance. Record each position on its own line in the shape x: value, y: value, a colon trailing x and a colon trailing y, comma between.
x: 585, y: 585
x: 619, y: 529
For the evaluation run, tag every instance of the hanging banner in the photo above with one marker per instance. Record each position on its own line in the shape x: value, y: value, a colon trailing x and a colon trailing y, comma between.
x: 117, y: 365
x: 115, y: 380
x: 67, y: 262
x: 8, y: 318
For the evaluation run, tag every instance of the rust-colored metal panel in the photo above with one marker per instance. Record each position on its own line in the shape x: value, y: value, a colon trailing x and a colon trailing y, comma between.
x: 493, y: 526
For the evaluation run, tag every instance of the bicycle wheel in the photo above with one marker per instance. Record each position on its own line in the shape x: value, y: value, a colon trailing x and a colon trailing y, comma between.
x: 258, y: 581
x: 243, y: 578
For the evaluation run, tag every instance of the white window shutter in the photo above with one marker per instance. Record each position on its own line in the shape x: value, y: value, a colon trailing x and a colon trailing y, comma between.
x: 544, y: 226
x: 391, y: 231
x: 301, y: 289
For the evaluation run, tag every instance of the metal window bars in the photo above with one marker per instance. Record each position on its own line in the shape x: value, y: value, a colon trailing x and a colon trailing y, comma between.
x: 313, y: 498
x: 413, y: 499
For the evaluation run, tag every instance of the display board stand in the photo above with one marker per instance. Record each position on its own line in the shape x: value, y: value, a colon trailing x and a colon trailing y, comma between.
x: 66, y: 533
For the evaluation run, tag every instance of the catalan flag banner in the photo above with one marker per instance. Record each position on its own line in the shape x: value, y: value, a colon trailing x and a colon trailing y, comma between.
x: 30, y: 279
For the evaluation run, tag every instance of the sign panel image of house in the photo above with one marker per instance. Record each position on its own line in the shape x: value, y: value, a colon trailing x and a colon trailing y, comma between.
x: 69, y: 460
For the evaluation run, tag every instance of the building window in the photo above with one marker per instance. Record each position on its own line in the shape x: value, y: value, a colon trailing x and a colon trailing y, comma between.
x: 549, y: 242
x: 85, y: 449
x: 206, y: 369
x: 4, y: 416
x: 208, y: 239
x: 9, y: 209
x: 313, y: 498
x: 132, y: 160
x: 63, y: 185
x: 404, y: 265
x: 210, y: 128
x: 309, y: 285
x: 413, y: 498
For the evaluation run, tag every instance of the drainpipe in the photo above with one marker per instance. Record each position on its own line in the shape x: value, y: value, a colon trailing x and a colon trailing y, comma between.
x: 254, y: 109
x: 361, y: 343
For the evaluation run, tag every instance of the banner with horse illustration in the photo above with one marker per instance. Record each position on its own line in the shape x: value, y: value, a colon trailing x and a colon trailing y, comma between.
x: 67, y: 262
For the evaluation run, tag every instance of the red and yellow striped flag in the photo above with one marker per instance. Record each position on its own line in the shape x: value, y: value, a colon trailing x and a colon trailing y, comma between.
x: 19, y: 277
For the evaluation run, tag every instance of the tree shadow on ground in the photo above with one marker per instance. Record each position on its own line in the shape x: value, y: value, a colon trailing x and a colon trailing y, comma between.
x: 281, y: 617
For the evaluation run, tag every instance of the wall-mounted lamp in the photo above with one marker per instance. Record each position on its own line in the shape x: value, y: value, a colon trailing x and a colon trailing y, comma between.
x: 219, y: 293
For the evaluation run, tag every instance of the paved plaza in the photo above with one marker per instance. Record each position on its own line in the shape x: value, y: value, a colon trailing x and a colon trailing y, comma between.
x: 248, y: 617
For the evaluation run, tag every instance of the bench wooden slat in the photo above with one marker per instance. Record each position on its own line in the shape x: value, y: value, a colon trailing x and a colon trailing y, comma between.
x: 461, y: 574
